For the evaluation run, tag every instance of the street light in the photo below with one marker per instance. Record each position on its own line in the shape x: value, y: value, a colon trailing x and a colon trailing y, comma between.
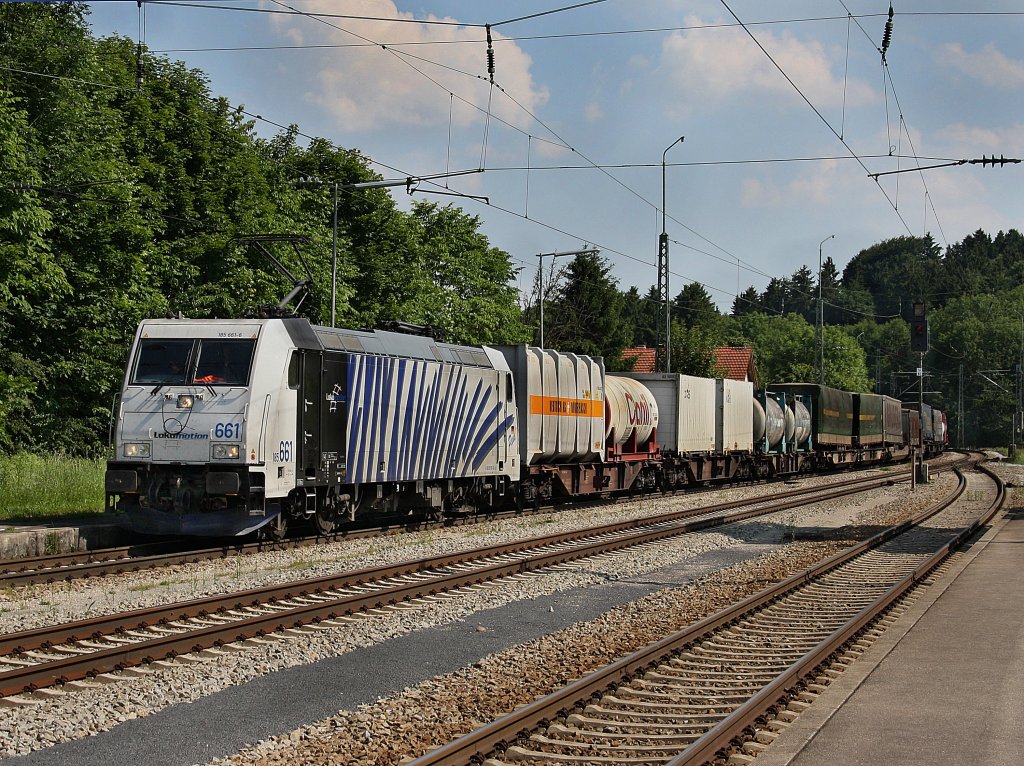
x: 821, y: 318
x: 663, y: 289
x: 542, y: 256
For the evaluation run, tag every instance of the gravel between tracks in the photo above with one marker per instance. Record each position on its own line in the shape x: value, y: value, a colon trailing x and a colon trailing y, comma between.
x: 474, y: 694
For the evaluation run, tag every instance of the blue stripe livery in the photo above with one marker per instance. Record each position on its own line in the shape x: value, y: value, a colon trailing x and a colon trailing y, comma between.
x: 411, y: 419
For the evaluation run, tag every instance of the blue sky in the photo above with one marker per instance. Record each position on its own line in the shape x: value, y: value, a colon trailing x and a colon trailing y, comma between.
x: 587, y: 99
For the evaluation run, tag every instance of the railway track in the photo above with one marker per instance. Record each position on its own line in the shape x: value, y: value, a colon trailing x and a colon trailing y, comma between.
x: 135, y: 558
x: 729, y: 683
x: 60, y: 654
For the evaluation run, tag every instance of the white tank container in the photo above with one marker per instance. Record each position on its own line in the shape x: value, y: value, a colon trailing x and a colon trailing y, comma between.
x: 775, y: 422
x: 631, y: 409
x: 734, y: 425
x: 563, y: 396
x: 759, y: 421
x: 803, y: 423
x: 790, y: 424
x: 686, y: 410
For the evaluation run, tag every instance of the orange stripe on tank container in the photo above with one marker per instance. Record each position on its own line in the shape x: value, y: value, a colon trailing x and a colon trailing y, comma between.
x: 572, y: 408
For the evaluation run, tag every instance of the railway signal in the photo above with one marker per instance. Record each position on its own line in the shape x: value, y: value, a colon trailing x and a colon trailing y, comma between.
x: 919, y: 330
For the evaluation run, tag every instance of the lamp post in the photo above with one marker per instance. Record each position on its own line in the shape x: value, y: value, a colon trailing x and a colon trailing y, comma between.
x: 663, y: 290
x: 542, y: 256
x: 821, y: 318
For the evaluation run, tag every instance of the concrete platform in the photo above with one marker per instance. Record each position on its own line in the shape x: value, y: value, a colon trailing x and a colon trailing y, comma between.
x: 22, y: 540
x: 944, y: 685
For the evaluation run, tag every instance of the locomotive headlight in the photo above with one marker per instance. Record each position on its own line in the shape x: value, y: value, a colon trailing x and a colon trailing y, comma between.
x: 185, y: 401
x: 225, y: 451
x: 137, y: 449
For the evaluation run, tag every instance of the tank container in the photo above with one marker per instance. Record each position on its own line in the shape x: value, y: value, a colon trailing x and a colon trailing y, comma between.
x: 631, y: 411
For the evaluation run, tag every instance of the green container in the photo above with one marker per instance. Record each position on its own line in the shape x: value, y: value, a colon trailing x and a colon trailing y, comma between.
x: 832, y: 412
x: 868, y: 419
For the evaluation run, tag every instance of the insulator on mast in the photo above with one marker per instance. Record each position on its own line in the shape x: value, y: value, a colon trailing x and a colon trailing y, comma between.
x: 887, y: 35
x: 490, y: 54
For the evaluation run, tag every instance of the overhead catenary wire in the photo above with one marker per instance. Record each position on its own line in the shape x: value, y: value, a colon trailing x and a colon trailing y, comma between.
x: 887, y: 77
x: 281, y: 126
x: 530, y: 137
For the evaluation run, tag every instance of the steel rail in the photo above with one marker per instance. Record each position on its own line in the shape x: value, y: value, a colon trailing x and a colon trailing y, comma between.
x: 119, y: 560
x: 733, y: 726
x: 31, y: 677
x: 478, y: 745
x: 92, y: 628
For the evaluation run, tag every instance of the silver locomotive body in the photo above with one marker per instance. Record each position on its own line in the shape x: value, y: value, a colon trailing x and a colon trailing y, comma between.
x: 224, y: 427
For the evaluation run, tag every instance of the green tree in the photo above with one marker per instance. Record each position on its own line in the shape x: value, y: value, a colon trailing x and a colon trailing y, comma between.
x: 746, y: 302
x: 693, y: 307
x: 585, y: 317
x: 784, y: 348
x: 468, y: 289
x: 897, y: 272
x: 693, y: 349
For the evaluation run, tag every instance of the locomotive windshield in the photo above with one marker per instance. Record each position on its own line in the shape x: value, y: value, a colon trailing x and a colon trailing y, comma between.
x: 208, y: 362
x: 162, y: 361
x: 224, y: 362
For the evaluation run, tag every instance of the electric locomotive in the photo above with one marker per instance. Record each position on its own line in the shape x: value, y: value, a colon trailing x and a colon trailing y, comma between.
x: 225, y: 427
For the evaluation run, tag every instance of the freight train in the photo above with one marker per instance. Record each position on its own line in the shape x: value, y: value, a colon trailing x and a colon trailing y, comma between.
x: 227, y: 427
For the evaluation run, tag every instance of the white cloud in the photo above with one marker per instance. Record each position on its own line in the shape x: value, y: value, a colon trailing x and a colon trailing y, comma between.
x: 819, y: 186
x: 971, y: 140
x: 989, y: 65
x: 713, y: 66
x: 593, y: 112
x: 368, y: 87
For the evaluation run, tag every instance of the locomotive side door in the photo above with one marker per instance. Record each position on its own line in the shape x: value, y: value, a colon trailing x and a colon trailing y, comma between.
x: 309, y: 407
x: 504, y: 394
x: 334, y: 420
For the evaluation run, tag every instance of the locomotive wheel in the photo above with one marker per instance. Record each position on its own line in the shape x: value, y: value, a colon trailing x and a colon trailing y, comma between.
x: 326, y: 519
x: 276, y: 530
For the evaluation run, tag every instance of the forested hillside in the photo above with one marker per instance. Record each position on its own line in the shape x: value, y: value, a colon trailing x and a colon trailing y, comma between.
x: 121, y: 198
x: 120, y: 201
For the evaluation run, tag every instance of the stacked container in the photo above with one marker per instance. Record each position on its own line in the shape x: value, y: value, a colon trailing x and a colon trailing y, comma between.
x: 686, y: 410
x: 734, y: 416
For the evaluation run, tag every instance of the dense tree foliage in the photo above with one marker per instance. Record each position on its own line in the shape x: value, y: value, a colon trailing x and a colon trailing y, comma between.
x: 121, y: 201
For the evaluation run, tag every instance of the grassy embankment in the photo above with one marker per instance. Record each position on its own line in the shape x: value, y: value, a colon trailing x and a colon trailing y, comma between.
x: 34, y: 487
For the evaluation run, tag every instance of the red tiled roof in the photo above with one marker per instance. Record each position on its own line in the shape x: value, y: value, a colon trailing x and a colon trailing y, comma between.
x: 645, y: 358
x: 736, y: 362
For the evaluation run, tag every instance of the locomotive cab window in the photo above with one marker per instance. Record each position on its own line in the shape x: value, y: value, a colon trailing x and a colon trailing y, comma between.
x: 162, y: 361
x: 293, y: 370
x: 224, y: 362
